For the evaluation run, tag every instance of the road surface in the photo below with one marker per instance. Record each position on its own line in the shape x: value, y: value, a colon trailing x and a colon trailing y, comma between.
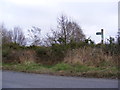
x: 12, y: 79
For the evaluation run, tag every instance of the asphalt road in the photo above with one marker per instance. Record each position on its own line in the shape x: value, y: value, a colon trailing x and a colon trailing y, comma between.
x: 12, y: 79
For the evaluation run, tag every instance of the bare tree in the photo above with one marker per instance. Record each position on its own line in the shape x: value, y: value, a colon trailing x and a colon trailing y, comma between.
x: 75, y: 32
x: 67, y: 31
x: 6, y: 37
x: 17, y: 36
x: 34, y: 35
x: 62, y: 26
x: 51, y: 38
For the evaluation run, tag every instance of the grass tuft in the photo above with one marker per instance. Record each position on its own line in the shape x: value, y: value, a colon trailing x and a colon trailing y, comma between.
x: 64, y: 69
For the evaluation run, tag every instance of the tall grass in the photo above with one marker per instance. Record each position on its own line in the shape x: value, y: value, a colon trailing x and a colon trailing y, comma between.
x: 97, y: 56
x: 90, y: 56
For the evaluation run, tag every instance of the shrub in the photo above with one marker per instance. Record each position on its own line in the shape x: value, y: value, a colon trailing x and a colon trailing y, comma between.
x: 42, y: 52
x: 51, y: 55
x: 43, y: 55
x: 14, y: 46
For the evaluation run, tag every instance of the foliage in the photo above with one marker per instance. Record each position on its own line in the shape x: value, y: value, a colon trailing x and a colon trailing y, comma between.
x: 43, y: 53
x: 51, y: 55
x: 63, y: 69
x: 64, y: 51
x: 65, y: 44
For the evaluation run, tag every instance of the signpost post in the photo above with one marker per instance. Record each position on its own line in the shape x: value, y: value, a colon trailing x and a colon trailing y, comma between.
x: 102, y: 35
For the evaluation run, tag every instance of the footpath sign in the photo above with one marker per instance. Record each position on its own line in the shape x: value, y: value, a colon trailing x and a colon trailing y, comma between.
x: 102, y: 36
x: 98, y: 33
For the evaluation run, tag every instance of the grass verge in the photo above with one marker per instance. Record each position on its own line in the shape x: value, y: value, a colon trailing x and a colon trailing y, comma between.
x: 64, y: 69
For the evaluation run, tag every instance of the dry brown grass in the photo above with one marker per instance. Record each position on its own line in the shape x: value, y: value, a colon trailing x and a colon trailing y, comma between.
x: 89, y: 56
x: 27, y: 55
x: 21, y: 56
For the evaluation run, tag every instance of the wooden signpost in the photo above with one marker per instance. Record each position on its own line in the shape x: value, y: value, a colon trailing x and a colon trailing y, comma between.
x: 102, y: 35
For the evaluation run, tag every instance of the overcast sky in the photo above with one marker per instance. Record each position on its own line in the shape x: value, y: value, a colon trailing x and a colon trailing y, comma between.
x: 91, y: 15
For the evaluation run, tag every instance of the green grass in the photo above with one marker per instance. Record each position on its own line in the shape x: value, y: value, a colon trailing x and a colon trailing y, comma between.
x: 64, y: 69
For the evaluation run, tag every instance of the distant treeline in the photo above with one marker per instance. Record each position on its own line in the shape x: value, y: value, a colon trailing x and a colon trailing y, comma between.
x: 60, y: 45
x: 67, y: 31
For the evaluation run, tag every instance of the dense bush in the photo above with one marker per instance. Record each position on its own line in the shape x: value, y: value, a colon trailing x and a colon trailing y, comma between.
x: 13, y: 52
x: 59, y: 51
x: 51, y: 55
x: 113, y: 49
x: 43, y: 53
x: 77, y: 52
